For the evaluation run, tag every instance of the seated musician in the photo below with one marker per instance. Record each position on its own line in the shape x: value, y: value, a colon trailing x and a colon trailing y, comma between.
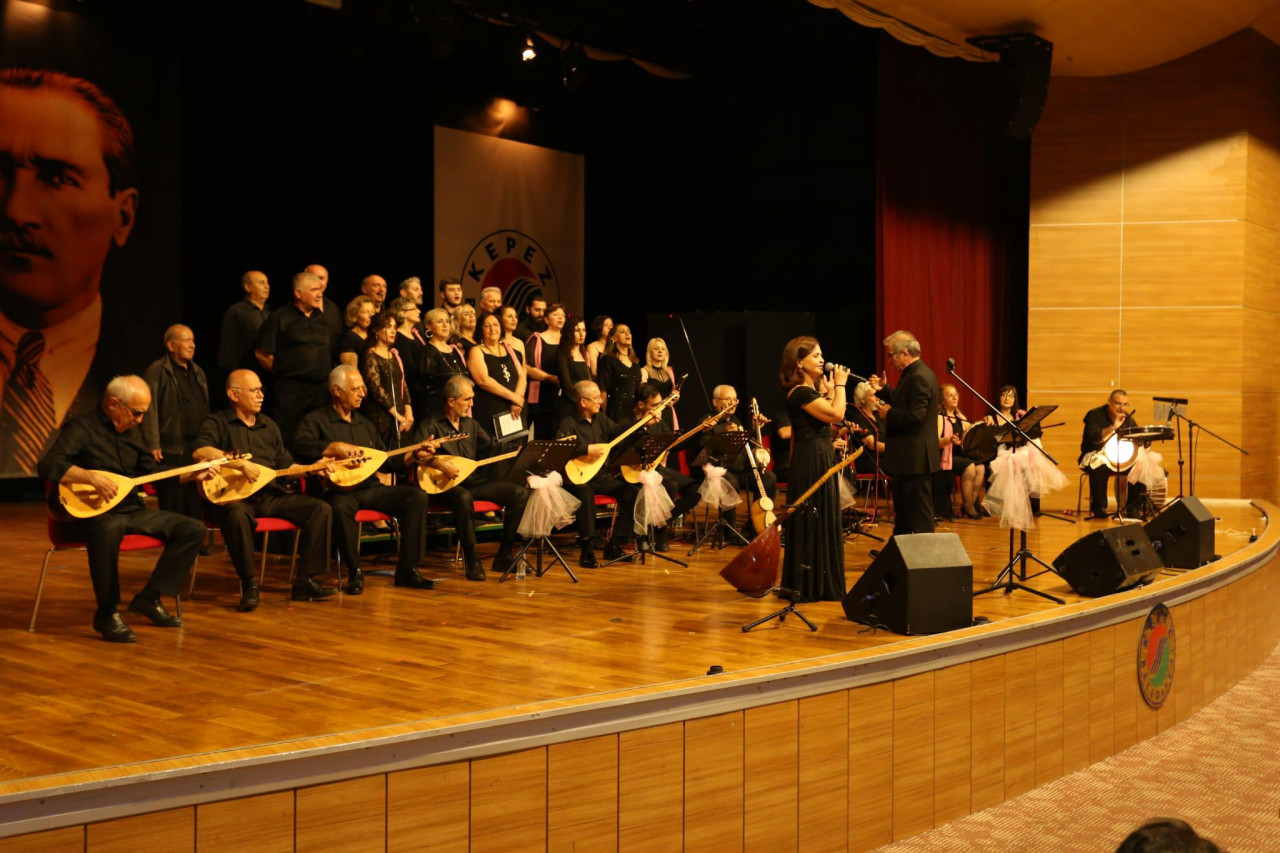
x: 951, y: 426
x: 678, y: 485
x: 483, y: 484
x: 338, y: 431
x: 864, y: 416
x: 594, y: 430
x: 244, y: 429
x: 1100, y: 425
x: 109, y: 439
x: 739, y: 467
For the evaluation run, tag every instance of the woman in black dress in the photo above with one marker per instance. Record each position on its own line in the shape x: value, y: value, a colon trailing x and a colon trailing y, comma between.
x: 499, y: 375
x: 657, y: 371
x: 619, y: 375
x: 387, y: 401
x: 572, y: 364
x: 465, y: 338
x: 541, y: 352
x: 358, y: 337
x: 813, y: 561
x: 440, y: 363
x: 601, y: 332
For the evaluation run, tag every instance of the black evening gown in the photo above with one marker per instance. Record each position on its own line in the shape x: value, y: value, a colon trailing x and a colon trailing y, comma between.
x: 505, y: 371
x: 813, y: 561
x: 620, y: 383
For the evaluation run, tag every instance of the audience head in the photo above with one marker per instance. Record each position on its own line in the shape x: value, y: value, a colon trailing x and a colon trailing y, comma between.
x: 180, y: 341
x: 1166, y: 835
x: 490, y: 299
x: 799, y: 357
x: 244, y: 390
x: 255, y: 285
x: 374, y: 287
x: 125, y: 401
x: 450, y: 292
x: 360, y: 311
x: 411, y: 288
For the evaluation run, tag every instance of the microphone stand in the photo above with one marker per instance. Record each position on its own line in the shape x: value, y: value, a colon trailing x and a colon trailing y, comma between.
x: 1192, y: 426
x: 1005, y: 580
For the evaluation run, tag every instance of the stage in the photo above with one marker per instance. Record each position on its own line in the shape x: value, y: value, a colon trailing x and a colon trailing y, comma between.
x: 323, y: 697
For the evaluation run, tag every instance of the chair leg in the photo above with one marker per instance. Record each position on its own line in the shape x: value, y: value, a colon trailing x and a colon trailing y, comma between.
x: 1080, y: 493
x: 293, y: 559
x: 44, y: 569
x: 262, y: 573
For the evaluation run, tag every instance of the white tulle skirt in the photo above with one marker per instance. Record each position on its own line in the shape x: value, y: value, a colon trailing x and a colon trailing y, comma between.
x: 550, y: 506
x: 653, y: 504
x: 1015, y: 479
x: 1148, y: 469
x: 715, y: 490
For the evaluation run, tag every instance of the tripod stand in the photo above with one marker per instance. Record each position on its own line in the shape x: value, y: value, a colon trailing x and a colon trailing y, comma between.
x: 538, y: 459
x: 723, y: 445
x: 1006, y: 579
x: 644, y: 547
x: 538, y: 543
x: 788, y: 596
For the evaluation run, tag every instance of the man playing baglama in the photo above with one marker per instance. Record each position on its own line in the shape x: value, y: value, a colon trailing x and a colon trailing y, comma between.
x: 594, y: 430
x: 484, y: 484
x: 109, y: 440
x: 244, y: 429
x: 677, y: 485
x: 338, y: 431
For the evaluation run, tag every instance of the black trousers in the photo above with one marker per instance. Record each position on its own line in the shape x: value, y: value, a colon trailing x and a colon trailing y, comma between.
x: 746, y: 480
x: 406, y: 503
x: 293, y: 400
x: 182, y: 537
x: 312, y: 516
x: 461, y: 500
x: 182, y: 498
x: 912, y: 503
x: 1098, y: 478
x: 620, y: 490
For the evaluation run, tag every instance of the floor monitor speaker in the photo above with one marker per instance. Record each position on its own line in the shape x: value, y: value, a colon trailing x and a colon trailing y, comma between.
x: 1183, y: 534
x: 921, y: 583
x: 1109, y: 560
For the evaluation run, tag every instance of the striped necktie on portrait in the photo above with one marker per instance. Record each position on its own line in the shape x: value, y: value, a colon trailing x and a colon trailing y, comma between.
x: 27, y: 415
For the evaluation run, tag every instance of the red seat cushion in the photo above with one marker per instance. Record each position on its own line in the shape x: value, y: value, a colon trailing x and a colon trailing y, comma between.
x: 139, y: 542
x: 363, y: 516
x: 485, y: 506
x: 605, y: 500
x: 273, y: 525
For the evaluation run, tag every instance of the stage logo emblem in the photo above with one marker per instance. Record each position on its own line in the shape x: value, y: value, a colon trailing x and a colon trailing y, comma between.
x: 516, y: 264
x: 1156, y: 648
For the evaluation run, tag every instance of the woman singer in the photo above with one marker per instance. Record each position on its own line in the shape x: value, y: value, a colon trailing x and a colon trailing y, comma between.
x: 657, y: 370
x: 542, y: 351
x: 499, y: 375
x: 618, y: 374
x: 572, y: 364
x: 387, y: 401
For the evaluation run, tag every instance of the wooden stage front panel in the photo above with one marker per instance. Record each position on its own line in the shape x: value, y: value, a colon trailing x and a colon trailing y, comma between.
x: 541, y: 714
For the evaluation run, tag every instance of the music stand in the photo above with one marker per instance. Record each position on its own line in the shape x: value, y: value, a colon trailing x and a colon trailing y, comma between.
x: 721, y: 445
x: 540, y: 458
x: 649, y: 449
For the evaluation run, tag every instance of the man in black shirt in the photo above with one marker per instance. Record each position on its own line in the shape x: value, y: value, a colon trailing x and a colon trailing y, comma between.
x: 374, y: 287
x: 242, y: 322
x: 108, y: 440
x: 338, y: 431
x: 333, y: 315
x: 244, y: 429
x: 484, y: 484
x: 1100, y: 425
x: 296, y: 345
x: 594, y: 430
x: 179, y: 404
x: 534, y: 319
x: 739, y: 467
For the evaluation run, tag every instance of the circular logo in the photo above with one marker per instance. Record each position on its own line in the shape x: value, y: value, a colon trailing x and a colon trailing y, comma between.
x: 516, y: 264
x: 1156, y: 649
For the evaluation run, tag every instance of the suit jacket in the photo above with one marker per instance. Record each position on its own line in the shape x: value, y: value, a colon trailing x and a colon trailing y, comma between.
x: 911, y: 427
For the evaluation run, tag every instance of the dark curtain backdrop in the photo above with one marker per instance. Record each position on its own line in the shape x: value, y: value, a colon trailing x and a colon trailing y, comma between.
x: 951, y: 220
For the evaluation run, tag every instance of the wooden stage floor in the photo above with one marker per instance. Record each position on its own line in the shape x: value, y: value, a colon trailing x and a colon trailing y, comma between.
x: 76, y: 708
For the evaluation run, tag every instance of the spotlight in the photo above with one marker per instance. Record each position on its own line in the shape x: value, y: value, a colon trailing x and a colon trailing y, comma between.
x: 528, y: 54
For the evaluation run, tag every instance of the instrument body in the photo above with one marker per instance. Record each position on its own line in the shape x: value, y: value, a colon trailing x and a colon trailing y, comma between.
x: 1118, y: 453
x: 631, y: 473
x: 79, y: 500
x: 433, y: 481
x: 981, y: 442
x: 583, y: 468
x: 763, y: 457
x: 231, y: 484
x: 346, y: 478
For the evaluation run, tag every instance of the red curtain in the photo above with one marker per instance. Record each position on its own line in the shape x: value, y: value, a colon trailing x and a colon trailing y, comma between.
x: 951, y: 221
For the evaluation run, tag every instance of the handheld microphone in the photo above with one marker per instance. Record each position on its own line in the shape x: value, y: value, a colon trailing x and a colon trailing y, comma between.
x: 951, y: 366
x: 829, y: 367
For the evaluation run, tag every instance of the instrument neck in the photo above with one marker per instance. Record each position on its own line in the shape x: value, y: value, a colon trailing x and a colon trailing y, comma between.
x: 178, y: 472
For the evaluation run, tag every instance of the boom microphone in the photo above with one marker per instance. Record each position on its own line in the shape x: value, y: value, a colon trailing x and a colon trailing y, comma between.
x: 951, y: 366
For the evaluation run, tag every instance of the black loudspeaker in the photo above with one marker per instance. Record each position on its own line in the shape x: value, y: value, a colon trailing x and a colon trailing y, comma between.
x: 1183, y: 534
x: 1109, y: 560
x: 921, y: 583
x: 1025, y: 63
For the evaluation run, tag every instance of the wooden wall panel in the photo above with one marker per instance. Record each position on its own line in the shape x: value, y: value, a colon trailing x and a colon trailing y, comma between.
x: 952, y: 743
x: 346, y: 816
x: 870, y: 766
x: 1262, y: 171
x: 1183, y: 176
x: 429, y: 808
x: 1102, y: 701
x: 651, y: 789
x: 262, y: 824
x: 509, y: 802
x: 1019, y: 722
x: 1077, y: 165
x: 824, y: 772
x: 171, y: 831
x: 1210, y: 268
x: 1075, y: 266
x: 1126, y: 685
x: 1075, y: 703
x: 1262, y: 266
x: 1146, y: 332
x: 771, y: 785
x: 988, y: 727
x: 1049, y: 676
x: 582, y: 795
x: 713, y: 768
x: 69, y: 839
x: 913, y: 712
x: 1192, y: 655
x: 1073, y: 343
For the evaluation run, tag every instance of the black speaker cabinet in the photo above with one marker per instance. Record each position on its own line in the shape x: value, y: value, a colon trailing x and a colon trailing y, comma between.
x: 921, y: 583
x: 1109, y: 560
x: 1183, y: 534
x: 1023, y: 75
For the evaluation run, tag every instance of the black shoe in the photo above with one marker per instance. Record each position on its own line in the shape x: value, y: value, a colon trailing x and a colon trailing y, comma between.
x: 587, y: 559
x: 248, y: 596
x: 503, y: 561
x: 1099, y: 516
x: 660, y: 540
x: 204, y: 551
x: 874, y: 552
x: 613, y: 551
x: 151, y: 608
x: 355, y: 582
x: 309, y: 589
x: 971, y: 513
x: 475, y: 569
x: 412, y: 580
x: 113, y: 629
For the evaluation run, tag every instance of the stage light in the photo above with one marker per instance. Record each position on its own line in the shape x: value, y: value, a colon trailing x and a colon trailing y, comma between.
x: 528, y: 54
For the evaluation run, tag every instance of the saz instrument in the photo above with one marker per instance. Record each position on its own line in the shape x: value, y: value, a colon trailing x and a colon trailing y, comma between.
x: 79, y: 500
x: 434, y: 481
x: 232, y: 484
x: 761, y: 509
x: 370, y: 460
x: 583, y: 468
x: 754, y: 571
x: 763, y: 457
x: 631, y: 473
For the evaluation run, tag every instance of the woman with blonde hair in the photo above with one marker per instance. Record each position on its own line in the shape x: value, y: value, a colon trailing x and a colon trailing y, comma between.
x: 657, y: 371
x: 358, y: 337
x: 951, y: 426
x: 464, y: 317
x: 441, y: 361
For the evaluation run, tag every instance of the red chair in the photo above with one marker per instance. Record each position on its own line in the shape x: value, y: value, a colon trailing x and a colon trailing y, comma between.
x: 477, y: 507
x: 370, y: 516
x: 266, y: 525
x: 612, y: 503
x: 59, y: 541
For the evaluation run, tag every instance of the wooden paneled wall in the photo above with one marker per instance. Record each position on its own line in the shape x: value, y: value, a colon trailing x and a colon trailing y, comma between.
x: 848, y: 770
x: 1155, y: 255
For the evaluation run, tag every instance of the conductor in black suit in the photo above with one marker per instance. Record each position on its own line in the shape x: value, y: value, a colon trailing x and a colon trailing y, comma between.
x: 911, y: 454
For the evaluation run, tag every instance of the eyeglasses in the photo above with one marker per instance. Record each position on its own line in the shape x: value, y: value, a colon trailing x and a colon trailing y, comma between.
x: 138, y: 415
x: 257, y: 392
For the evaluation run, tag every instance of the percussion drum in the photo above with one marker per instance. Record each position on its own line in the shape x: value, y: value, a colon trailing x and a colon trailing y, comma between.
x: 1119, y: 454
x: 980, y: 442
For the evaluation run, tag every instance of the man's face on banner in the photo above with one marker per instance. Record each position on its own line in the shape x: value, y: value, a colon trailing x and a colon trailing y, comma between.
x: 58, y: 217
